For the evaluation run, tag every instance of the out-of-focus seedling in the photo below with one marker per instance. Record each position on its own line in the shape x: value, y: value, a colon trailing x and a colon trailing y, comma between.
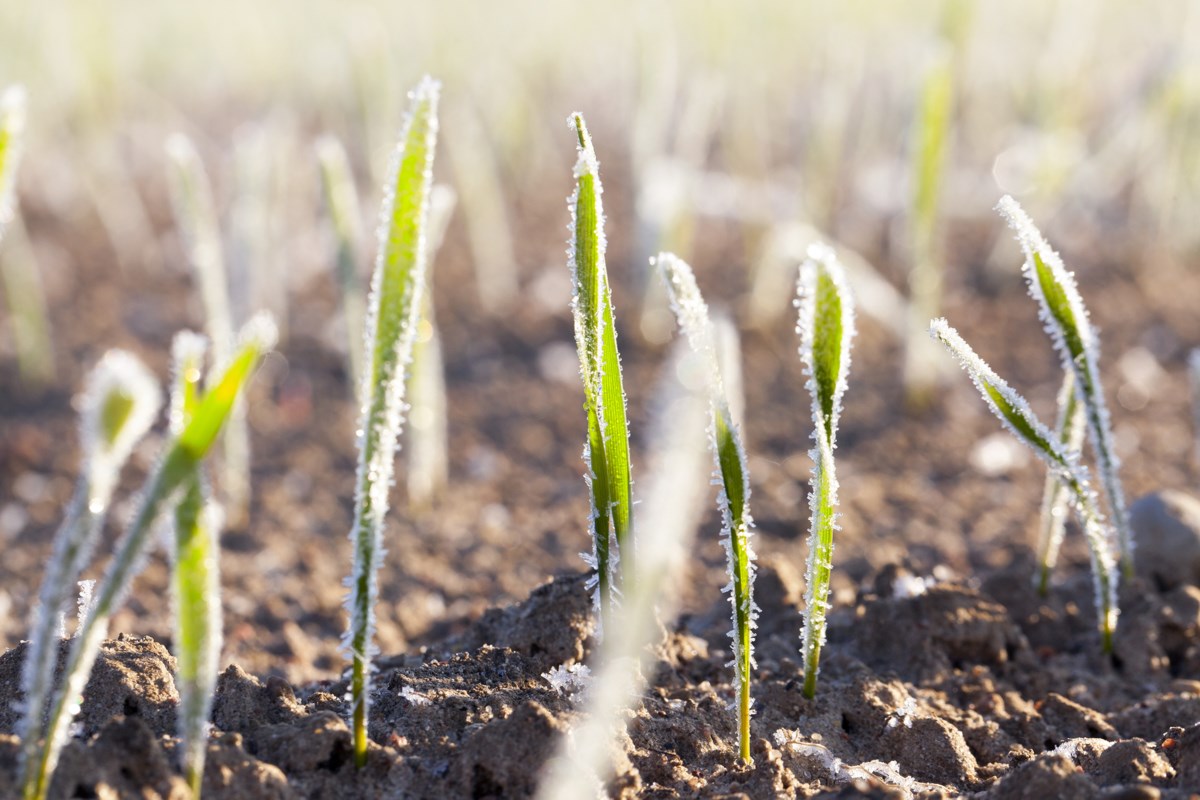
x: 925, y: 278
x: 18, y: 268
x: 732, y: 476
x: 426, y: 436
x: 826, y: 329
x: 196, y: 216
x: 1194, y: 381
x: 12, y: 136
x: 489, y: 237
x: 672, y: 511
x: 345, y: 215
x: 117, y: 408
x: 1018, y: 417
x: 607, y: 449
x: 184, y: 452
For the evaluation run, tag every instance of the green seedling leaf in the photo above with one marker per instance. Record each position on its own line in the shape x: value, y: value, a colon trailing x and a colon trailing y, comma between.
x: 1016, y: 415
x: 607, y: 448
x: 394, y: 310
x: 826, y: 328
x: 195, y: 576
x: 1066, y: 319
x: 215, y: 406
x: 118, y: 406
x: 732, y: 476
x: 1069, y: 431
x: 161, y: 493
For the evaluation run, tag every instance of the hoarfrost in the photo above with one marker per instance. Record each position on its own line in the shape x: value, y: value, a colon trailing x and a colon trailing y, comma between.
x: 570, y: 680
x: 904, y: 714
x: 911, y: 586
x: 1070, y: 748
x: 85, y: 601
x: 841, y: 773
x: 414, y: 697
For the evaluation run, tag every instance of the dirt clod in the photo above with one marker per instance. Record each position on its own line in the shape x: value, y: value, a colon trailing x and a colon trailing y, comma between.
x: 1166, y: 526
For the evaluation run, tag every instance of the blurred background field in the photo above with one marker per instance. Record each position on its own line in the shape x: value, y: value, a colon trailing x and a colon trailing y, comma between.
x: 732, y: 133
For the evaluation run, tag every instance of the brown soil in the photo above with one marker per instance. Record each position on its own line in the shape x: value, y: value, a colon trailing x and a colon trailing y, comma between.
x: 977, y: 686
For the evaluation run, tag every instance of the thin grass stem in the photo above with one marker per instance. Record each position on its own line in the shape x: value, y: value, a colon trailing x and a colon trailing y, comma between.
x: 1069, y: 430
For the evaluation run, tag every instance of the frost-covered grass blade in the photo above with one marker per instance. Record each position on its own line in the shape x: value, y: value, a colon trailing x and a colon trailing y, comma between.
x: 195, y: 576
x: 1069, y: 431
x: 1066, y: 319
x: 826, y: 328
x: 1018, y: 417
x: 732, y: 476
x: 183, y: 455
x: 395, y: 303
x: 607, y: 448
x: 118, y: 406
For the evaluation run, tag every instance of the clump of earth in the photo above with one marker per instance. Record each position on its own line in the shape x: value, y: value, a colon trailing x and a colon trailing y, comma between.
x: 931, y: 686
